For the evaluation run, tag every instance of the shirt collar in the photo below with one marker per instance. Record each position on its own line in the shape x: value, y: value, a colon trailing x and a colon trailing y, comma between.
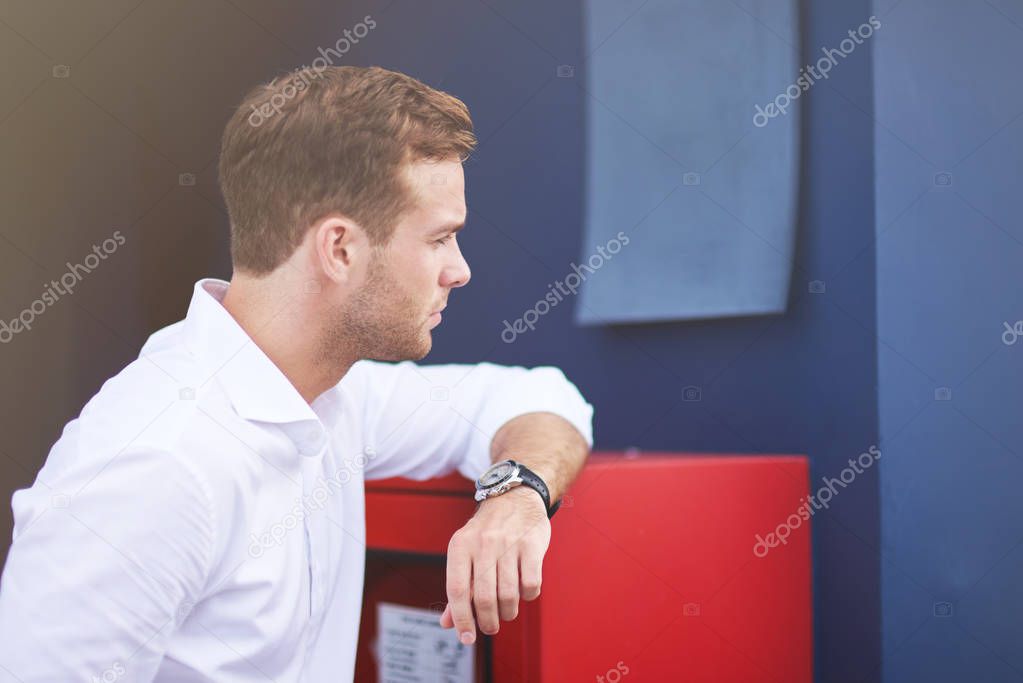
x: 257, y: 388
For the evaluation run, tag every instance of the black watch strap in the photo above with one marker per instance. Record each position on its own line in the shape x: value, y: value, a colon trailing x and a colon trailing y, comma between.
x: 532, y: 480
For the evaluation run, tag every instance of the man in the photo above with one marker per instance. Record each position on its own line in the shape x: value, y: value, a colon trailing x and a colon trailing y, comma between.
x: 203, y: 518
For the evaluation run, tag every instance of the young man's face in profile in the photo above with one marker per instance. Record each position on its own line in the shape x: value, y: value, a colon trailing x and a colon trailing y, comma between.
x: 410, y: 278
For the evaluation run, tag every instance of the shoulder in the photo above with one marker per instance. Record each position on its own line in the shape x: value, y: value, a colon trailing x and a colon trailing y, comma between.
x: 159, y: 422
x: 370, y: 382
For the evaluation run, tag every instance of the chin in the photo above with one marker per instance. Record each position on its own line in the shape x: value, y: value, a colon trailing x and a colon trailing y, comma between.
x: 425, y: 347
x: 412, y: 351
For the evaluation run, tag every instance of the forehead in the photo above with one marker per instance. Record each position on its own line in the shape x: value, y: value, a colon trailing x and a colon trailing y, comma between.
x: 439, y: 191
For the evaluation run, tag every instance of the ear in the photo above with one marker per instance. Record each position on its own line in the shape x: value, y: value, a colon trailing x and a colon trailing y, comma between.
x: 341, y: 247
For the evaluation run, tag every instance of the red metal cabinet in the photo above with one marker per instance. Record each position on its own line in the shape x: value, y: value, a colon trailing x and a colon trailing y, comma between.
x: 651, y: 574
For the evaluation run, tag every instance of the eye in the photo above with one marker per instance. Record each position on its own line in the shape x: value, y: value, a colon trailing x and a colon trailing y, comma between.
x: 444, y: 240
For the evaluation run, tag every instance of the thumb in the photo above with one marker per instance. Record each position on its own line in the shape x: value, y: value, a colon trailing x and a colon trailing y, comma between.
x: 445, y: 619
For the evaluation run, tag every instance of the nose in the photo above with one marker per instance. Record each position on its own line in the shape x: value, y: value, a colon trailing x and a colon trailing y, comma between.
x: 456, y: 274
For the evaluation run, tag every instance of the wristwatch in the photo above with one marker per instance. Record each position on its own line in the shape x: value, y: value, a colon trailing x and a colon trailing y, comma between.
x: 503, y: 476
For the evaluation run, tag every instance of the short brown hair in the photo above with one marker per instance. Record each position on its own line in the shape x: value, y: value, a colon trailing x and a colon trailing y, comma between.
x: 330, y: 139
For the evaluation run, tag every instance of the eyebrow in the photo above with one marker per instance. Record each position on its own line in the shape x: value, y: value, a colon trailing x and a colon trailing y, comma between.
x: 450, y: 227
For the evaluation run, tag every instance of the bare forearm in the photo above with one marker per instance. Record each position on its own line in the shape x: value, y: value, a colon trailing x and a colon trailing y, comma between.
x: 546, y: 443
x: 497, y: 557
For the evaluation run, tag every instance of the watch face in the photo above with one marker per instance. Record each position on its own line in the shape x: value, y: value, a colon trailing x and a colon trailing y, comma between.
x: 497, y: 474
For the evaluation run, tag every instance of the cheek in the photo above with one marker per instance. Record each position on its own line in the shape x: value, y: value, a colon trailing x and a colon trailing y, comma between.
x: 415, y: 270
x: 428, y: 267
x: 417, y: 277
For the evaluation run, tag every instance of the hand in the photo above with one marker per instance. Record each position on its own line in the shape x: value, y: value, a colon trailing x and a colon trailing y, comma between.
x: 495, y: 559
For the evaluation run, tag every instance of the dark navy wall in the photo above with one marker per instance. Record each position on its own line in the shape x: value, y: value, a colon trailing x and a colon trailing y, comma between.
x: 949, y: 149
x: 803, y: 382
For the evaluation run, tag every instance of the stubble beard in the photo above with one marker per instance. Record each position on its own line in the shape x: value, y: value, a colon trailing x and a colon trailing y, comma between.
x: 380, y: 322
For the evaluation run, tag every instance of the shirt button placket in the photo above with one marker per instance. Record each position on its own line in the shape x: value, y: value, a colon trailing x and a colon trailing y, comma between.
x: 314, y: 519
x: 310, y: 449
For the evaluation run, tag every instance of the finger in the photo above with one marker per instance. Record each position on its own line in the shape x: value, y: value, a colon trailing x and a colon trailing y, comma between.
x: 508, y: 585
x: 484, y: 595
x: 459, y: 598
x: 445, y: 618
x: 530, y: 566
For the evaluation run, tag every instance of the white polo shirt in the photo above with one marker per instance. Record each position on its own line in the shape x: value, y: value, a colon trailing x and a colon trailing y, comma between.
x: 199, y: 521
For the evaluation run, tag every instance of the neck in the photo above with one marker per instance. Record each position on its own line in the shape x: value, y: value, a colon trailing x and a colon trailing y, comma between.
x: 284, y: 322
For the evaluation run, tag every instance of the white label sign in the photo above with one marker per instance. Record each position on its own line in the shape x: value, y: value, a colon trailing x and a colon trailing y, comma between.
x: 413, y: 648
